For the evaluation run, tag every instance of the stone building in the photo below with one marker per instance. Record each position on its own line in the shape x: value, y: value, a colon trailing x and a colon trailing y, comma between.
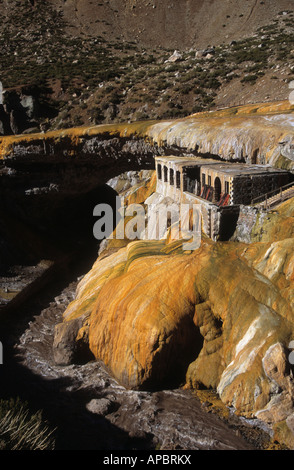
x: 220, y: 187
x: 219, y: 182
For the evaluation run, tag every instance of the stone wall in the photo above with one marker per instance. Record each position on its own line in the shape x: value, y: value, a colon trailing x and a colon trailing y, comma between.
x: 246, y: 188
x: 248, y: 216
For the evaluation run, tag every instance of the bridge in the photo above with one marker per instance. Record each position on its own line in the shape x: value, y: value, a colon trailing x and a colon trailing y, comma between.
x: 273, y: 198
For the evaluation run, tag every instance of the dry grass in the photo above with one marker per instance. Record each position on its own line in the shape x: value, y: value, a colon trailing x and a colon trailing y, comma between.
x: 20, y: 430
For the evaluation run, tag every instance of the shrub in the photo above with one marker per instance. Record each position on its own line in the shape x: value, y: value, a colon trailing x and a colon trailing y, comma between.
x: 197, y: 109
x: 186, y: 89
x: 249, y: 78
x: 253, y: 55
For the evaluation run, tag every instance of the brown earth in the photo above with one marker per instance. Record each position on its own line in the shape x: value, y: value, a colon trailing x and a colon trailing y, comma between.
x: 90, y: 62
x: 169, y: 24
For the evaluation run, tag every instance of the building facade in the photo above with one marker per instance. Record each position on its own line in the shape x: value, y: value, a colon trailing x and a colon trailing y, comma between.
x: 221, y: 183
x: 220, y: 188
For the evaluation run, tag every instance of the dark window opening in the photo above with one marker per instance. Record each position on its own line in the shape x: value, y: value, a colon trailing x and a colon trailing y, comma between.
x: 192, y: 180
x: 254, y: 157
x: 159, y: 172
x: 185, y: 185
x: 203, y: 180
x: 217, y: 189
x: 165, y: 173
x: 171, y: 177
x: 178, y: 179
x: 209, y: 180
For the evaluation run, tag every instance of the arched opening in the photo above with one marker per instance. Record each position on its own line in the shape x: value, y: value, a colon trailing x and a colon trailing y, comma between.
x: 217, y: 189
x: 191, y: 179
x: 171, y: 177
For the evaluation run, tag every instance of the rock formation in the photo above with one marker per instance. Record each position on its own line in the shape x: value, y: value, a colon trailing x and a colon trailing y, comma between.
x: 19, y: 111
x: 220, y: 317
x: 259, y: 134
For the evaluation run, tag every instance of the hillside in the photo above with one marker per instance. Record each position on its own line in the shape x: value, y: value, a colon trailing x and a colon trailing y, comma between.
x: 87, y: 62
x: 168, y: 23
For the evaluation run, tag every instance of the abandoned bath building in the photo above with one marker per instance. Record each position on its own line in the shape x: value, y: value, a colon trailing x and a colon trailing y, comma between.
x: 221, y: 188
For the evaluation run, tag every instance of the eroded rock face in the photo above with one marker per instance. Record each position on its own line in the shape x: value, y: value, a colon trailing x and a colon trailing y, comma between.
x: 70, y: 342
x: 261, y: 133
x: 168, y: 308
x: 276, y: 367
x: 220, y: 317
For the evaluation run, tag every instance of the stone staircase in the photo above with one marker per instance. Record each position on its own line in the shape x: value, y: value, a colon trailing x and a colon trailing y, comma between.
x: 272, y: 199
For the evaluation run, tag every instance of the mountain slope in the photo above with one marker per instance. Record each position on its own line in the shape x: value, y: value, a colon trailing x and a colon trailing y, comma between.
x: 81, y: 62
x: 169, y: 23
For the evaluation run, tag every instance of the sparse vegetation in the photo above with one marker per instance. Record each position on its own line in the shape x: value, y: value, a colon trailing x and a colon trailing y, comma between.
x: 22, y: 430
x: 249, y: 78
x: 88, y: 80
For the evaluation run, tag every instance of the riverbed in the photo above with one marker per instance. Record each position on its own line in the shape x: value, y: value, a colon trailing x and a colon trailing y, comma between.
x: 90, y: 410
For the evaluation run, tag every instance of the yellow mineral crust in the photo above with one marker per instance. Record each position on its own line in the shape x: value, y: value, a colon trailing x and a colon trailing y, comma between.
x: 142, y: 322
x: 244, y: 132
x: 147, y: 309
x: 219, y: 317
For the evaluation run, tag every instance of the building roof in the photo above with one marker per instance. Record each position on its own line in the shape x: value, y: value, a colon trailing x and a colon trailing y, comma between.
x: 244, y: 169
x: 228, y: 168
x: 185, y: 161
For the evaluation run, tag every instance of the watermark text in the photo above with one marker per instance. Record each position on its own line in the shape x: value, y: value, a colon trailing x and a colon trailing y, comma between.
x: 149, y: 222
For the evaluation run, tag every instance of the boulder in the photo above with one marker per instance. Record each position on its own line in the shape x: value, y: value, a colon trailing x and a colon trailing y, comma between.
x: 209, y: 50
x: 70, y: 343
x: 175, y: 57
x: 100, y: 406
x: 277, y: 369
x: 30, y: 105
x: 199, y: 54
